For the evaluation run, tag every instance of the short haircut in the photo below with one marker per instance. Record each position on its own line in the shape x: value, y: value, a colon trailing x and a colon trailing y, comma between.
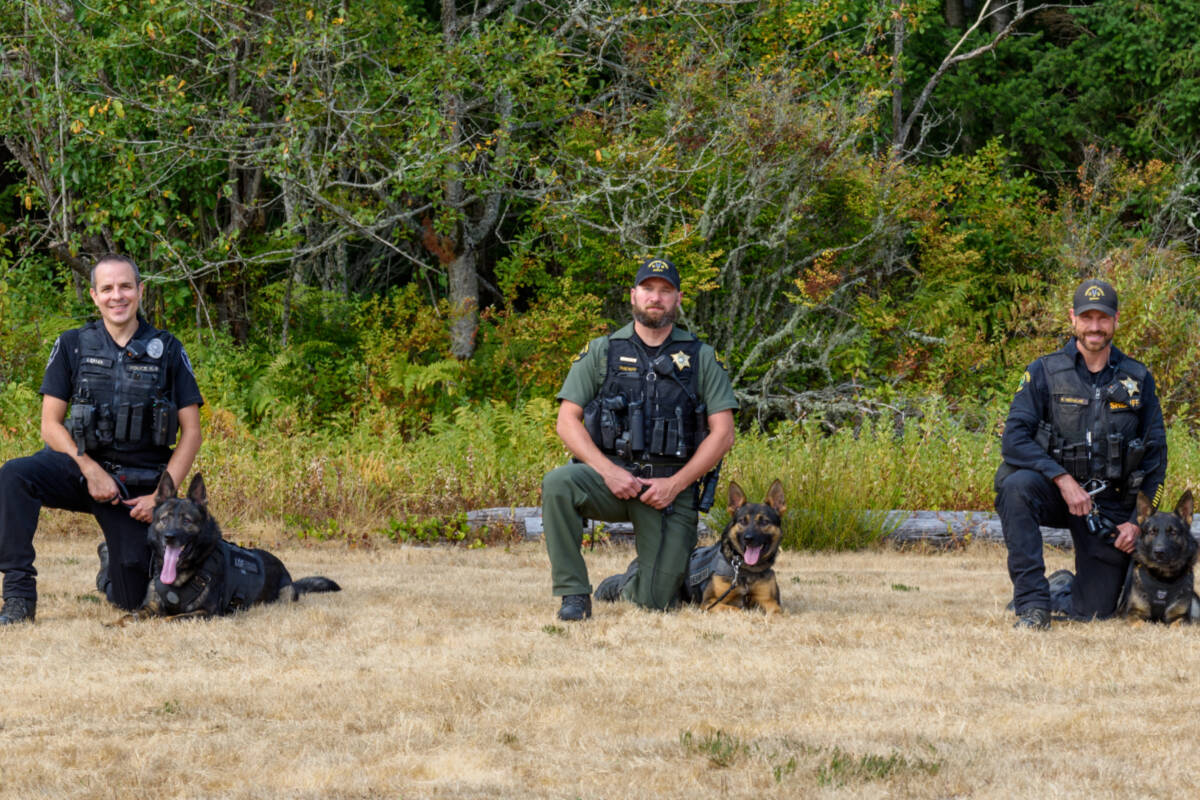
x: 120, y: 259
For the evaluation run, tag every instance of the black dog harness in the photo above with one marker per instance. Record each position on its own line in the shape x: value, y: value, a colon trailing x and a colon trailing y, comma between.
x: 235, y: 575
x: 1162, y: 594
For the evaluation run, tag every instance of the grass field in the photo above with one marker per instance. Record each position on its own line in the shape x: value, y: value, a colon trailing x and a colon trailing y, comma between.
x: 441, y: 672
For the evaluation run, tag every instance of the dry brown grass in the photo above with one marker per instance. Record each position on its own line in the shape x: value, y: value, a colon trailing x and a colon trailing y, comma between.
x: 442, y: 673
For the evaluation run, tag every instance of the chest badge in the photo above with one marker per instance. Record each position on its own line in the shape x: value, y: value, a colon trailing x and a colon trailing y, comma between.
x: 154, y: 348
x: 681, y: 360
x: 1131, y: 386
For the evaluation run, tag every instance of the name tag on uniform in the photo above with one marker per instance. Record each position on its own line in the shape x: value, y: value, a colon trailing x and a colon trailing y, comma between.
x: 96, y: 361
x: 627, y: 359
x: 1074, y: 401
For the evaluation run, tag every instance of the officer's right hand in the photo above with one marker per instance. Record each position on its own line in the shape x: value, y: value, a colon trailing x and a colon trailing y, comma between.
x: 1078, y: 501
x: 101, y: 486
x: 622, y: 484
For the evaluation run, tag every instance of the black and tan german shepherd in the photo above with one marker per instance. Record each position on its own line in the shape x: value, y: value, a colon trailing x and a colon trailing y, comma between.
x: 199, y: 574
x: 1160, y: 587
x: 743, y: 576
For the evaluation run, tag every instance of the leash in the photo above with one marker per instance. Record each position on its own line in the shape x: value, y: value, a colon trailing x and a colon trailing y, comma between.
x: 737, y: 567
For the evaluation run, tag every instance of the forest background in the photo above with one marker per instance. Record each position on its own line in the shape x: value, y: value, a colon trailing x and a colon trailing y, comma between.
x: 383, y: 228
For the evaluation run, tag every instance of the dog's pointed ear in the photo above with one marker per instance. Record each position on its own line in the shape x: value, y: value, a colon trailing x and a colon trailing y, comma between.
x: 1183, y: 509
x: 737, y: 498
x: 166, y: 488
x: 197, y: 493
x: 1144, y: 508
x: 775, y: 497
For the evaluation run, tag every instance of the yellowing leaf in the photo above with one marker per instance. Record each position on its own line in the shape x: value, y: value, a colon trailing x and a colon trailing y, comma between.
x: 308, y: 15
x: 599, y: 156
x: 28, y: 202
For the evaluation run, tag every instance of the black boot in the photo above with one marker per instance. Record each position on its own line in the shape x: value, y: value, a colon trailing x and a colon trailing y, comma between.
x: 575, y: 607
x: 1033, y: 619
x: 609, y: 590
x: 17, y: 609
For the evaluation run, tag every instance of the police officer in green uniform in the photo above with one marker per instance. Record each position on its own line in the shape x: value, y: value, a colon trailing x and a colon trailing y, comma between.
x: 1083, y: 436
x: 646, y: 412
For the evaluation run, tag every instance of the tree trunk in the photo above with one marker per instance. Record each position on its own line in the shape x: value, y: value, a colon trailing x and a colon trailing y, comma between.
x: 954, y: 14
x: 464, y: 302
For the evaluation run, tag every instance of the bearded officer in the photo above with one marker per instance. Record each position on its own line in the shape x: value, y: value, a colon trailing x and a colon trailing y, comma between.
x: 646, y: 412
x: 131, y: 391
x: 1084, y: 434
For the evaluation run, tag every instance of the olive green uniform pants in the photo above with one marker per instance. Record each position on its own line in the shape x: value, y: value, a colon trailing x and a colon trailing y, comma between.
x: 575, y: 492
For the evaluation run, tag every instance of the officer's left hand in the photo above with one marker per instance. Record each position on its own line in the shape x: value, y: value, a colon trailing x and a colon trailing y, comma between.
x: 141, y: 508
x: 660, y: 492
x: 1127, y: 534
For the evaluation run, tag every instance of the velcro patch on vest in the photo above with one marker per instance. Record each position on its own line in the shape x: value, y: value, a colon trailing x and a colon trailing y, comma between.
x: 244, y: 564
x: 1115, y: 406
x: 143, y: 367
x: 1072, y: 401
x: 627, y: 369
x: 96, y: 361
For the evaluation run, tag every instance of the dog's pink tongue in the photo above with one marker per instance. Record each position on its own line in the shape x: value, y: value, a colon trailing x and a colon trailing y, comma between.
x: 752, y: 554
x: 170, y: 563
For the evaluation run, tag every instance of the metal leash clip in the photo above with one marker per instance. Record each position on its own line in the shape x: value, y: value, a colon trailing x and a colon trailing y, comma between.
x: 1098, y: 525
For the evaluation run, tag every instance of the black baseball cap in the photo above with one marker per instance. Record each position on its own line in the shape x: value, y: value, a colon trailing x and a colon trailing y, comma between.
x: 1095, y: 294
x: 657, y: 268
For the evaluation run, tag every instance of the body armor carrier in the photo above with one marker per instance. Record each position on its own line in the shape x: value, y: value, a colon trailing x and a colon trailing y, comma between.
x: 647, y: 411
x: 120, y: 403
x: 230, y: 579
x: 1162, y: 594
x: 1093, y: 430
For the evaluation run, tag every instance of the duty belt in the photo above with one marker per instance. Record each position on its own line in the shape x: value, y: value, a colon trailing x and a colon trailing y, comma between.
x: 640, y: 470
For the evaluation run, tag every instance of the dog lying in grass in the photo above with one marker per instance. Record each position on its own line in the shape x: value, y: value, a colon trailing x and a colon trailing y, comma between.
x: 199, y: 574
x: 736, y: 572
x: 1160, y: 586
x: 742, y: 571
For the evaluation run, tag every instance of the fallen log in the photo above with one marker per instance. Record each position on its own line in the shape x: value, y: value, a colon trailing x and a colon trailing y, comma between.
x: 937, y: 528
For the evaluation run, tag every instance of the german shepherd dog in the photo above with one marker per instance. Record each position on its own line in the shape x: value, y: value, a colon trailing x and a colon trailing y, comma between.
x: 748, y: 547
x: 1160, y: 583
x: 198, y: 573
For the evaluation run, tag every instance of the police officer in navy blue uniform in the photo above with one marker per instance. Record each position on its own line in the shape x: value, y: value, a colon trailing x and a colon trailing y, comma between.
x: 131, y: 392
x: 1084, y: 435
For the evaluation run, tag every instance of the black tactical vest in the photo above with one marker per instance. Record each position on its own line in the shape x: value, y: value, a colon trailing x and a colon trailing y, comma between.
x: 1093, y: 427
x: 120, y: 404
x: 647, y: 410
x: 230, y: 579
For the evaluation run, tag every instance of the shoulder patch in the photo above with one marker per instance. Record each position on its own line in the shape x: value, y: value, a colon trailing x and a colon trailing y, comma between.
x: 1024, y: 381
x: 581, y: 353
x: 720, y: 361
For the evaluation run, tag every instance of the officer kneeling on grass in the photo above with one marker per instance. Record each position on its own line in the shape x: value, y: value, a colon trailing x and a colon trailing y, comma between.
x: 646, y: 412
x: 1084, y: 434
x: 131, y: 391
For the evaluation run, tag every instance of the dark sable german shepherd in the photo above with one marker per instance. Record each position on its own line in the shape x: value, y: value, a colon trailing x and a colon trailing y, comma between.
x: 1160, y: 583
x: 743, y: 576
x: 199, y: 574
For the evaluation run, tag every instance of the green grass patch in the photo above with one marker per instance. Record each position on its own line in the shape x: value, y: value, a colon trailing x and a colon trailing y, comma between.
x: 720, y: 748
x: 843, y: 767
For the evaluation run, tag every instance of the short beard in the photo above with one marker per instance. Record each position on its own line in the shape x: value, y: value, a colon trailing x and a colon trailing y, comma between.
x: 665, y: 320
